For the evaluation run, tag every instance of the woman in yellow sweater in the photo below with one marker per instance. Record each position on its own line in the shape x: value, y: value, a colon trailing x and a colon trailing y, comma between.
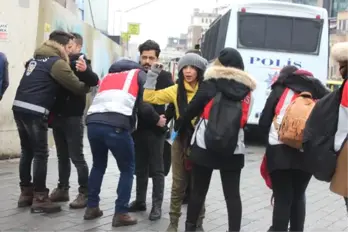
x: 191, y: 68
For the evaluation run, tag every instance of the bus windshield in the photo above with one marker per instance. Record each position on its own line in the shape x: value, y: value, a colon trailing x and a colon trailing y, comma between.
x: 279, y: 33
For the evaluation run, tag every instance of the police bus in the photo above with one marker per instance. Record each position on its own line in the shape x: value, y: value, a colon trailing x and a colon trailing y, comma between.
x: 270, y: 35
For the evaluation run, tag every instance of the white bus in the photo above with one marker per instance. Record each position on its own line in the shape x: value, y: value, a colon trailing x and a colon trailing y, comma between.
x: 270, y: 35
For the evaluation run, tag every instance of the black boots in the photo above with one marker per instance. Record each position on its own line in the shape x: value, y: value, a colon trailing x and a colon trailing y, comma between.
x: 189, y: 227
x: 157, y: 198
x: 136, y: 206
x: 156, y: 212
x: 140, y: 200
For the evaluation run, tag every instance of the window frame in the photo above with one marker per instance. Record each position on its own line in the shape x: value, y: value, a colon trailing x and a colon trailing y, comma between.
x: 243, y: 14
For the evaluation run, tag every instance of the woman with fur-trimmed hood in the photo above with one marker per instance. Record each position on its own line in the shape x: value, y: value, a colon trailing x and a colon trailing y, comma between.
x: 225, y: 76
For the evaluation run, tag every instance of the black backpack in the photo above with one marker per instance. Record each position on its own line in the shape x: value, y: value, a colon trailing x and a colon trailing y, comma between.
x: 319, y: 136
x: 222, y: 129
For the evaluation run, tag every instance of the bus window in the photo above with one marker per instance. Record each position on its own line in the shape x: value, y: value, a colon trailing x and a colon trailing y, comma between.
x: 215, y: 37
x: 279, y: 33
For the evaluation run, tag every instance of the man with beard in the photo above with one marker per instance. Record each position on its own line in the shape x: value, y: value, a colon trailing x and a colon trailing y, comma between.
x: 149, y: 142
x: 68, y: 130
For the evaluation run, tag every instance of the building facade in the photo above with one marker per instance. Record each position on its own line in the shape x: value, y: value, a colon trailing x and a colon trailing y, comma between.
x: 200, y: 22
x: 332, y: 6
x: 339, y: 34
x: 93, y: 12
x: 179, y: 43
x: 96, y: 13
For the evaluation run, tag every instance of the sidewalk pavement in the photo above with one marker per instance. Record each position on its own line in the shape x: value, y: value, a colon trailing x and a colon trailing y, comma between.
x: 325, y: 211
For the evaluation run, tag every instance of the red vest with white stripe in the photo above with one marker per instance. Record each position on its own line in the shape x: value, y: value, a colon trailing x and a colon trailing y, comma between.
x: 342, y: 125
x: 285, y: 100
x: 117, y: 93
x: 198, y: 135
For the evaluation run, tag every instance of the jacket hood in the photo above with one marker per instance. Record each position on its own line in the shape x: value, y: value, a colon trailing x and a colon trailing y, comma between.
x: 124, y: 65
x: 51, y: 48
x: 302, y: 81
x: 339, y: 52
x: 233, y: 83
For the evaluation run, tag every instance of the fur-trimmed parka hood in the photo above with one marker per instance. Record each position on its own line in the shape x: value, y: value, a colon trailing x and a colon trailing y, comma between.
x: 229, y: 73
x: 233, y: 83
x: 339, y: 52
x: 52, y: 48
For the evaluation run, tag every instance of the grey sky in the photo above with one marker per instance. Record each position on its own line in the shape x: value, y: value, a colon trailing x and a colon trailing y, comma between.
x: 160, y: 19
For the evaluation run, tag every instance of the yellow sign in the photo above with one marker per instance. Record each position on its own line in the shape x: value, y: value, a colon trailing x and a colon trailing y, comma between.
x: 125, y: 36
x: 134, y: 28
x: 47, y: 27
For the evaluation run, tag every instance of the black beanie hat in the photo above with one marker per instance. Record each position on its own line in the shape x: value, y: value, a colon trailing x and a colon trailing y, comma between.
x: 230, y: 57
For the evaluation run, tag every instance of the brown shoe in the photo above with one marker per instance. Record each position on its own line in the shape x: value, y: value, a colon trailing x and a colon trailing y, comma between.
x: 80, y: 202
x: 26, y: 197
x: 123, y: 219
x: 59, y: 195
x: 42, y: 204
x: 92, y: 213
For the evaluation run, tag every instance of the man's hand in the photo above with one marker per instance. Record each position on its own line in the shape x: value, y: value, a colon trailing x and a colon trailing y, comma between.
x: 81, y: 65
x: 157, y: 67
x: 162, y: 121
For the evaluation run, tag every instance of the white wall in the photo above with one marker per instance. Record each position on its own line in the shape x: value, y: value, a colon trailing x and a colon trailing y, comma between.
x: 100, y: 9
x: 22, y: 24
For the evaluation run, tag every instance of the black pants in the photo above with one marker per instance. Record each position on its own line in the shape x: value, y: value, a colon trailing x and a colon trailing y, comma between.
x: 68, y: 136
x: 32, y: 131
x: 289, y: 187
x: 149, y: 162
x: 201, y: 177
x: 346, y: 201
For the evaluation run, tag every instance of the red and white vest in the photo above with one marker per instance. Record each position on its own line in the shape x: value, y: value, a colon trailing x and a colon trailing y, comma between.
x: 117, y: 93
x: 198, y: 135
x: 285, y: 100
x: 342, y: 125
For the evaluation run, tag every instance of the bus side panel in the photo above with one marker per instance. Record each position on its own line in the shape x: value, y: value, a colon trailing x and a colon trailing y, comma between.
x: 264, y: 66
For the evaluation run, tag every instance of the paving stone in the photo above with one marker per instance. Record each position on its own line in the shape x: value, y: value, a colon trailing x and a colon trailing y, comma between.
x: 325, y: 210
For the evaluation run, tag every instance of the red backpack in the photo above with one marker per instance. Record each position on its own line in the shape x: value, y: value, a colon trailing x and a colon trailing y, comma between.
x: 265, y: 175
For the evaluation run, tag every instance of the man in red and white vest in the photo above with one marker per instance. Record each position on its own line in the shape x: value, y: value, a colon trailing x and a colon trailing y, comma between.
x: 110, y: 121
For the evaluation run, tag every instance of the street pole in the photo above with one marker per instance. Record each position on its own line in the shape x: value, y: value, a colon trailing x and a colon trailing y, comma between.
x: 121, y: 19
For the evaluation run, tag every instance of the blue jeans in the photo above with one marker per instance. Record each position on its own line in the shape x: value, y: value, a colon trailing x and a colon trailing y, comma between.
x: 103, y: 138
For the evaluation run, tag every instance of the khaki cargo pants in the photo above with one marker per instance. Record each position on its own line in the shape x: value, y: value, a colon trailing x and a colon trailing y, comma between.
x: 180, y: 181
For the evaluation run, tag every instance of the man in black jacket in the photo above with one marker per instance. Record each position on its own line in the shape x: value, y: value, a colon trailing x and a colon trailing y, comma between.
x: 149, y: 142
x: 68, y: 127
